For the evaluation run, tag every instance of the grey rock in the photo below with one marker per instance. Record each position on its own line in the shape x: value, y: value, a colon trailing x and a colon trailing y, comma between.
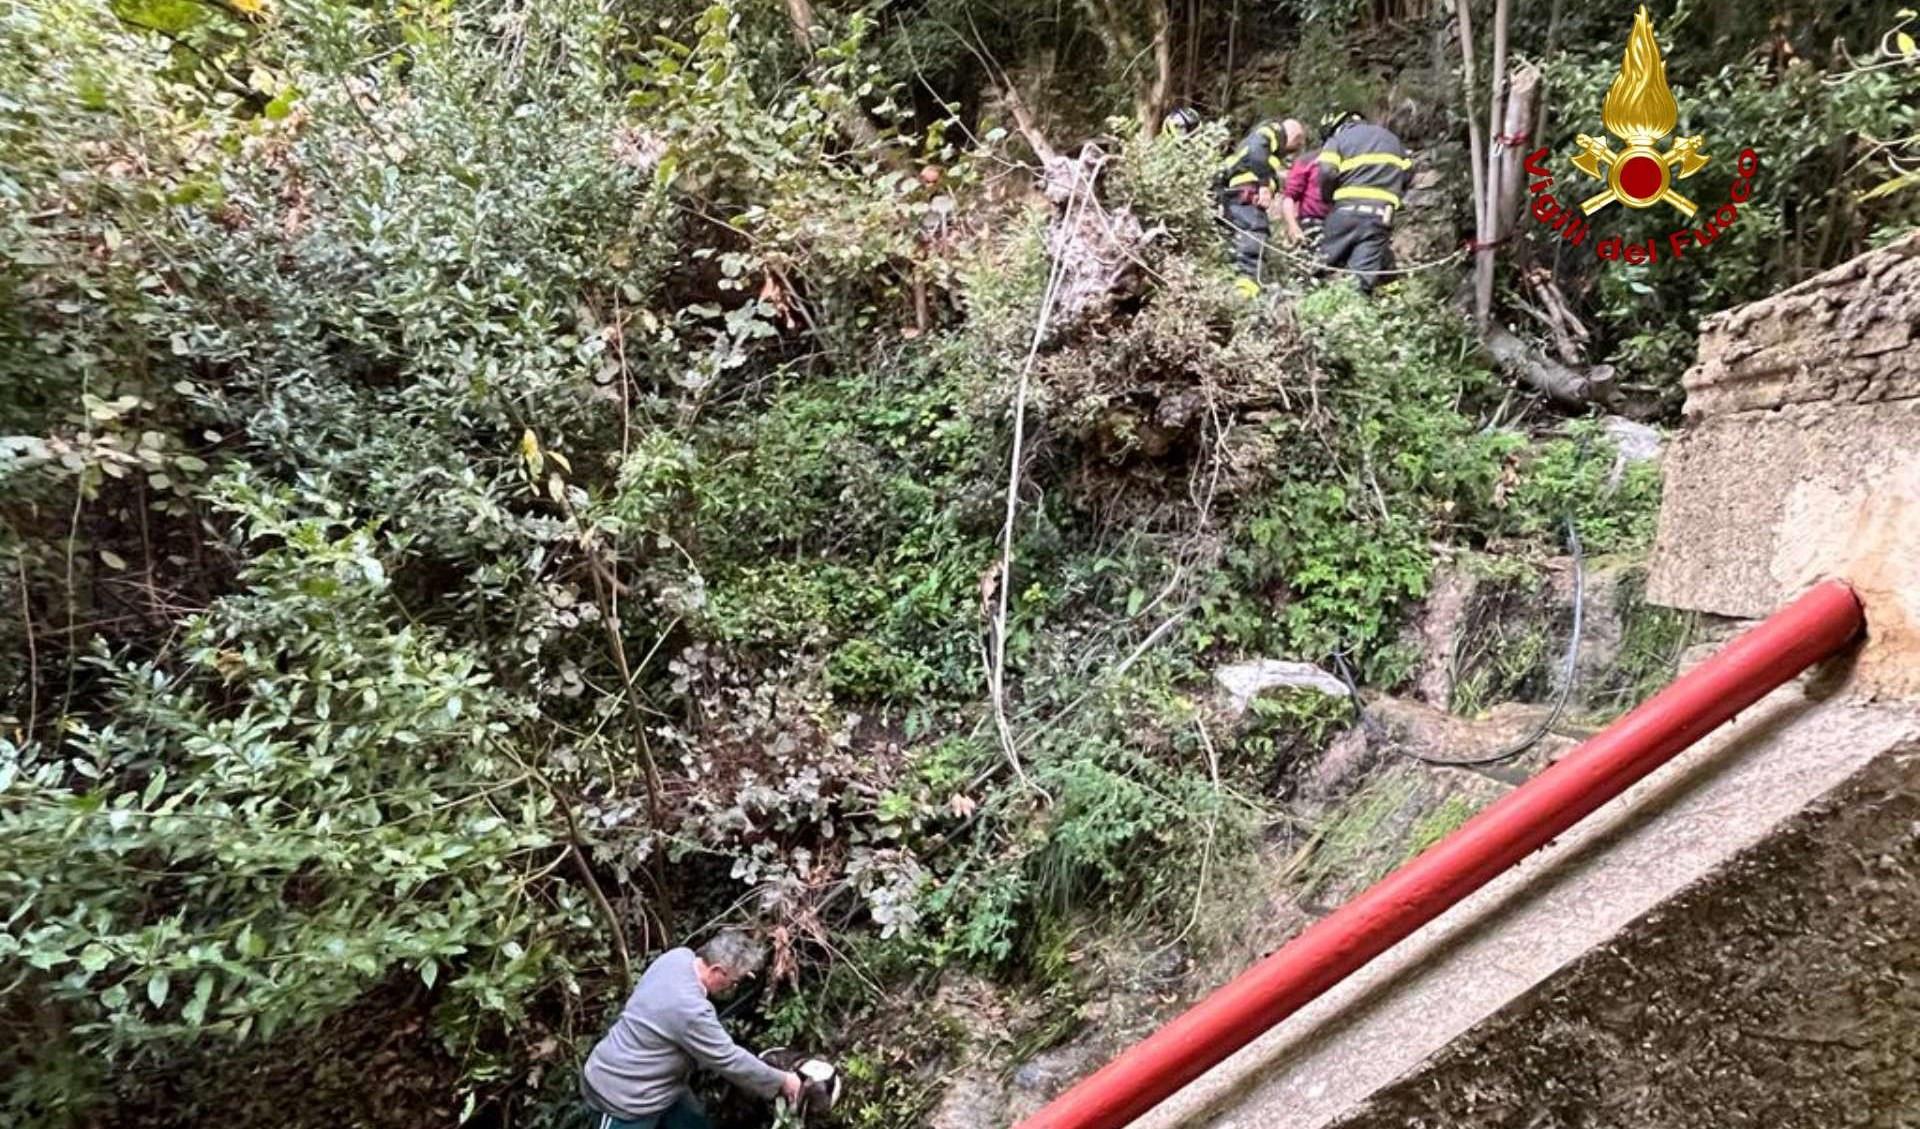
x: 1246, y: 681
x: 974, y: 1100
x: 1636, y: 442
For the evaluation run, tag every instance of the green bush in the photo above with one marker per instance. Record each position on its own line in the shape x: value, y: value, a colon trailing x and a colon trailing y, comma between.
x: 1171, y: 179
x: 330, y: 794
x: 1614, y: 504
x: 1824, y: 135
x: 1340, y: 544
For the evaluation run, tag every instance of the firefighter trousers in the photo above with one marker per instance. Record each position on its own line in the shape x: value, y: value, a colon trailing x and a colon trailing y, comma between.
x: 1251, y: 231
x: 1359, y: 239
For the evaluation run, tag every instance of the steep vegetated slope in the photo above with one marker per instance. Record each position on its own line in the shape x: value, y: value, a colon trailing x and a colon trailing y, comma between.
x: 493, y: 491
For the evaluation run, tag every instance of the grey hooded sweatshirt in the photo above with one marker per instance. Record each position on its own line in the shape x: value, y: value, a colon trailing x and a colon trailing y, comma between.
x: 668, y: 1027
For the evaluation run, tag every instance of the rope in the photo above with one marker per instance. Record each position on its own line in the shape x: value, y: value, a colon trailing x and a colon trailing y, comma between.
x: 1567, y: 665
x: 1313, y: 262
x: 996, y: 658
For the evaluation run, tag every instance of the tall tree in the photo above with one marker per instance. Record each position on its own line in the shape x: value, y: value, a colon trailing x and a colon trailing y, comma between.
x: 1120, y: 29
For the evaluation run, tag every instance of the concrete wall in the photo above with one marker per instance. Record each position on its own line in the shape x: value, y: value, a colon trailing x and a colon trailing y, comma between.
x: 1521, y: 933
x: 1801, y: 459
x: 1782, y: 992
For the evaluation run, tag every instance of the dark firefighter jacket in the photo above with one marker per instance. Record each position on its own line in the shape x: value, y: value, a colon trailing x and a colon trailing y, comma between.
x: 1363, y: 162
x: 1259, y: 162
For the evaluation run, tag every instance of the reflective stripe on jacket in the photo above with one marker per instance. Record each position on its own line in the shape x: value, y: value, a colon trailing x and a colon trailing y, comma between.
x: 1259, y: 162
x: 1364, y: 162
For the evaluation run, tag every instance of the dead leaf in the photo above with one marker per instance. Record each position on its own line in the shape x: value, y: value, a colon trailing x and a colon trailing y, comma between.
x: 1509, y: 481
x: 775, y: 295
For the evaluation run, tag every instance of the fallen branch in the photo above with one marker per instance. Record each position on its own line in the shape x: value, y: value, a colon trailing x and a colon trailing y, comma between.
x: 1555, y: 314
x: 1009, y: 92
x: 1559, y: 383
x: 1024, y: 121
x: 1476, y: 155
x: 1002, y: 577
x: 576, y: 848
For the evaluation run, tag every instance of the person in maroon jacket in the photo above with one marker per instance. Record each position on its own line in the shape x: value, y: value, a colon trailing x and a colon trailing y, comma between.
x: 1301, y: 206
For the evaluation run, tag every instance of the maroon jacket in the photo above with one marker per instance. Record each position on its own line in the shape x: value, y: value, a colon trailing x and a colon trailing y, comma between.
x: 1303, y: 188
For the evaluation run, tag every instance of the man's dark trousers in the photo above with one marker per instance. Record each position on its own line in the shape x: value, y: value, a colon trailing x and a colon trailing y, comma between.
x: 1251, y: 229
x: 1359, y: 238
x: 684, y: 1113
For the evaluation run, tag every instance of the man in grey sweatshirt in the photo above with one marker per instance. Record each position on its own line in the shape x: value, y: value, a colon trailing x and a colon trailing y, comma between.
x: 636, y: 1078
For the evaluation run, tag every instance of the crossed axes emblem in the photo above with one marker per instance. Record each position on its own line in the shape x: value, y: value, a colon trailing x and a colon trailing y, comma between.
x: 1680, y: 161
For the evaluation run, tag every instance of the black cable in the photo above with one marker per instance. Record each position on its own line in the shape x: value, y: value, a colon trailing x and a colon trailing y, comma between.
x: 1560, y: 699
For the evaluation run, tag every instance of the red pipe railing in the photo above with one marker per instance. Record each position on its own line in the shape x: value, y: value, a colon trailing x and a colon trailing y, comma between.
x: 1816, y: 626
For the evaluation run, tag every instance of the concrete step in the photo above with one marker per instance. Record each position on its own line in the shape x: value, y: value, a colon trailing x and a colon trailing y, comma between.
x: 1673, y: 830
x: 1781, y: 991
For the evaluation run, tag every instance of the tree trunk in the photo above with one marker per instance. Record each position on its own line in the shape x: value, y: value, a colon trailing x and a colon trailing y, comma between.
x: 1152, y: 104
x: 1233, y: 42
x: 1520, y: 95
x: 1193, y: 51
x: 1476, y: 155
x: 1553, y: 44
x: 1488, y: 234
x: 1497, y: 80
x: 800, y: 14
x: 1123, y: 48
x: 1558, y: 382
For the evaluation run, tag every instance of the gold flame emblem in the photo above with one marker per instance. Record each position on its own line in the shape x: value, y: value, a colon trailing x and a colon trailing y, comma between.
x: 1640, y: 110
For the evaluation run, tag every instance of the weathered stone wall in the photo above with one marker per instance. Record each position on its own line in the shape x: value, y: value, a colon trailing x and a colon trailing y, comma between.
x: 1801, y: 460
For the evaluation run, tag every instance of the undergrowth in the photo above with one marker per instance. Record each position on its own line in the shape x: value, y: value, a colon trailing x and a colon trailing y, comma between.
x: 483, y: 506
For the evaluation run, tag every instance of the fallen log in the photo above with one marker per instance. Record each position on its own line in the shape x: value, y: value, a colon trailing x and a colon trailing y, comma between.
x: 1560, y: 383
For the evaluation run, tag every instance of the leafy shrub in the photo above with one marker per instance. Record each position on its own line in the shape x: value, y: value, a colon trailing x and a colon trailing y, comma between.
x: 1614, y: 504
x: 1822, y: 133
x: 1284, y: 728
x: 319, y: 793
x: 1171, y: 179
x: 1340, y: 544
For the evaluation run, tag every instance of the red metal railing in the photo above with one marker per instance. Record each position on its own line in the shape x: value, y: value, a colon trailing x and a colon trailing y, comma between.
x: 1816, y: 626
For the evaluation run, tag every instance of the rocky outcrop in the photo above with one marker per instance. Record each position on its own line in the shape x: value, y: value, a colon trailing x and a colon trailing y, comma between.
x: 1470, y: 619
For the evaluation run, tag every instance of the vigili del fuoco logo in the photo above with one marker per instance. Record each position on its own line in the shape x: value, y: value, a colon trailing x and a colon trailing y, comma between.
x: 1640, y: 111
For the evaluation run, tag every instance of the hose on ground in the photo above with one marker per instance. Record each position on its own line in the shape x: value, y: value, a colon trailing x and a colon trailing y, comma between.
x: 1567, y: 666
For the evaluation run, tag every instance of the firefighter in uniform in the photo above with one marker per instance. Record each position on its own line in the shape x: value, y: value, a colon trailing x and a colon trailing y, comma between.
x: 1252, y: 177
x: 1364, y: 174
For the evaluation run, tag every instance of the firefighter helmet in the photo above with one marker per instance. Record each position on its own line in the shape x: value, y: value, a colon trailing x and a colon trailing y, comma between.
x: 1332, y: 121
x: 1182, y: 121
